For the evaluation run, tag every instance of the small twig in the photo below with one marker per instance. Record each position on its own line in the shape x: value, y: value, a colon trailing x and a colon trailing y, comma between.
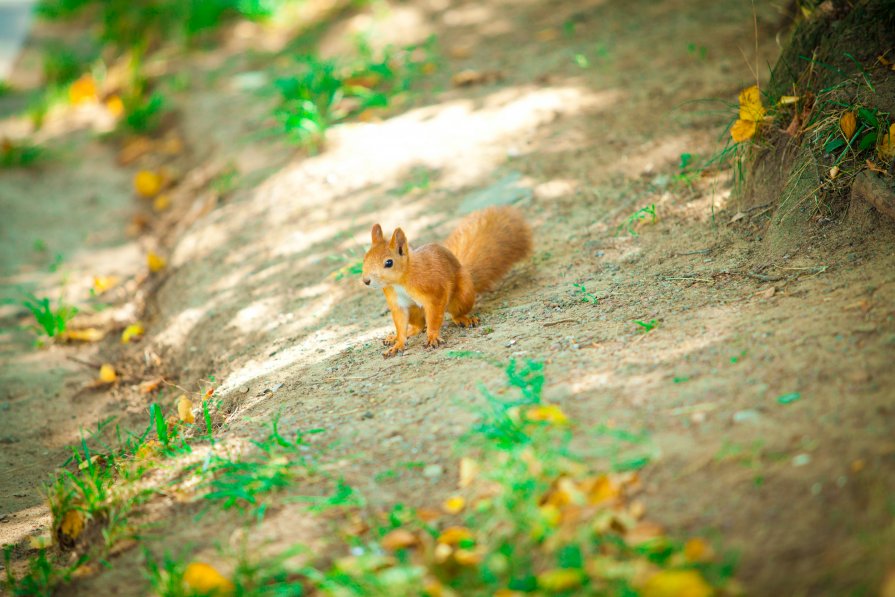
x: 761, y: 277
x: 699, y: 252
x: 84, y: 362
x: 552, y: 323
x: 754, y: 207
x: 706, y: 280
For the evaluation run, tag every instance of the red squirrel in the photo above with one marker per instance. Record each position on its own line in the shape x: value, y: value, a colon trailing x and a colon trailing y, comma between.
x: 421, y: 284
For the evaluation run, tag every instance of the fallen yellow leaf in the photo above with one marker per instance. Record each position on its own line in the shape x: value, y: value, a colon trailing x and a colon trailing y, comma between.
x: 115, y: 106
x: 82, y: 91
x: 551, y: 514
x: 697, y: 550
x: 147, y: 450
x: 147, y: 183
x: 204, y: 578
x: 132, y: 332
x: 676, y: 583
x: 848, y: 123
x: 454, y: 505
x: 751, y: 113
x: 454, y: 535
x: 560, y: 579
x: 40, y: 541
x: 467, y: 557
x: 743, y: 130
x: 107, y: 373
x: 72, y: 524
x: 398, y: 539
x: 161, y: 203
x: 788, y: 99
x: 84, y: 335
x: 155, y: 262
x: 469, y: 469
x: 888, y: 588
x: 750, y: 104
x: 547, y: 413
x: 886, y: 148
x: 103, y: 284
x: 185, y: 409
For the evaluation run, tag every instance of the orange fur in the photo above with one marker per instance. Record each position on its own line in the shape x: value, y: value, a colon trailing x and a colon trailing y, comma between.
x: 488, y: 242
x: 421, y: 284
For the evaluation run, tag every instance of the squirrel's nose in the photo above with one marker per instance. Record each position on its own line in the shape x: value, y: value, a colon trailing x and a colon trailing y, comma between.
x: 367, y: 281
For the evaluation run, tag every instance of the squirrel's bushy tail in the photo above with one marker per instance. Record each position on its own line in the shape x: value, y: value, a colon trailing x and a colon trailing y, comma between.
x: 488, y: 242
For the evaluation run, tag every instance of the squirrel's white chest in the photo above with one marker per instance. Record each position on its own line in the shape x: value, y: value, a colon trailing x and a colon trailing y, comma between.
x: 404, y: 299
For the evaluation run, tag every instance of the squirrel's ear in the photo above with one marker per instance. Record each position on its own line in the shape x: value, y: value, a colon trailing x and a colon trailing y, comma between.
x: 399, y: 241
x: 377, y: 234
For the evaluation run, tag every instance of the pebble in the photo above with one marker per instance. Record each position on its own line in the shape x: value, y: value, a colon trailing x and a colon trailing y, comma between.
x: 801, y: 459
x: 746, y: 416
x: 433, y: 471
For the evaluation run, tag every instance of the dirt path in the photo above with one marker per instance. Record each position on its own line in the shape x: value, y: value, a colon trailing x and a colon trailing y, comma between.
x: 768, y: 401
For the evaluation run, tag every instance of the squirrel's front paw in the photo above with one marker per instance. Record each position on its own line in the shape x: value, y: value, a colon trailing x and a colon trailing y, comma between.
x: 434, y: 342
x: 390, y: 339
x: 393, y: 351
x: 467, y: 321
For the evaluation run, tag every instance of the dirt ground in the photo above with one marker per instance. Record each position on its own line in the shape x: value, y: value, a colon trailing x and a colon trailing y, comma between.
x: 801, y: 492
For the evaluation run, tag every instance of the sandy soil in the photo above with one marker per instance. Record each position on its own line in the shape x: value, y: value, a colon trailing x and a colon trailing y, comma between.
x: 801, y: 491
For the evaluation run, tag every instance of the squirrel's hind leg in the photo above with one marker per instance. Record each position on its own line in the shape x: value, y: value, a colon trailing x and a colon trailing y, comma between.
x: 462, y: 302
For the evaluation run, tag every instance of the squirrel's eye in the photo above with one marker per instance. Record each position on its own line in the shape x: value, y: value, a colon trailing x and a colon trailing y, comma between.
x: 389, y: 263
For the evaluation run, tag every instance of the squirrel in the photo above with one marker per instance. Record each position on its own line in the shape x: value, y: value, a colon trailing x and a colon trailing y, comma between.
x: 421, y: 284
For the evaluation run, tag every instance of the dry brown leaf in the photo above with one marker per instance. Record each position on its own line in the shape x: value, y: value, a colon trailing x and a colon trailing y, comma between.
x: 886, y: 147
x: 398, y: 539
x: 848, y: 123
x: 185, y: 409
x: 643, y: 532
x: 152, y: 385
x: 834, y: 172
x: 766, y: 293
x: 460, y: 52
x: 469, y: 77
x: 134, y: 150
x: 737, y: 217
